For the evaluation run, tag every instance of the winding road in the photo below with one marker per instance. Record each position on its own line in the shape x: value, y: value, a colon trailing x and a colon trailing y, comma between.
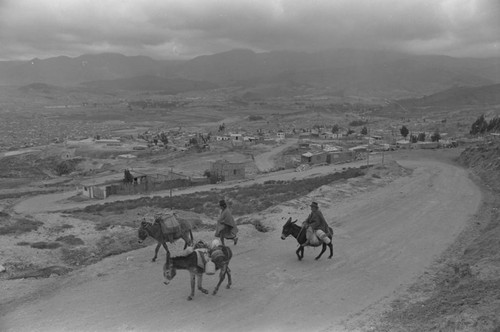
x: 386, y: 238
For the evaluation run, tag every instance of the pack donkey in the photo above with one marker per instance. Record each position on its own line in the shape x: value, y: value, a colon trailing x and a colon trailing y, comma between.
x: 291, y: 228
x: 154, y: 230
x: 220, y: 257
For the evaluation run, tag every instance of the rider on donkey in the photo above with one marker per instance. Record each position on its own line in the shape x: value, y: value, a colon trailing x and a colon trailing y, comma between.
x: 315, y: 224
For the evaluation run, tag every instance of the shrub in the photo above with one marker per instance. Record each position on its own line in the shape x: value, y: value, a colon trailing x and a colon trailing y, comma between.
x: 255, y: 117
x: 70, y: 240
x: 21, y: 226
x: 45, y: 245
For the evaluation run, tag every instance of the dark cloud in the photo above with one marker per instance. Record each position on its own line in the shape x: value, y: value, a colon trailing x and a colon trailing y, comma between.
x: 187, y: 28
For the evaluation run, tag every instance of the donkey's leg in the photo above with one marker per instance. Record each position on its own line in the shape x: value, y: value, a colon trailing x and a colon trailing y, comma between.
x: 229, y: 281
x: 323, y: 249
x: 222, y: 275
x: 297, y: 252
x: 190, y: 297
x: 200, y: 281
x: 330, y: 245
x: 156, y: 251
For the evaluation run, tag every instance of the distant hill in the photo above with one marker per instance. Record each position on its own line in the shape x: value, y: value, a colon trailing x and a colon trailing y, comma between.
x: 151, y: 83
x: 346, y: 72
x: 66, y: 71
x: 458, y: 96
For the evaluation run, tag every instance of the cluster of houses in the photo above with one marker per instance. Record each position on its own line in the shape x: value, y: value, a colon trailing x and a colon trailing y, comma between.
x: 313, y: 152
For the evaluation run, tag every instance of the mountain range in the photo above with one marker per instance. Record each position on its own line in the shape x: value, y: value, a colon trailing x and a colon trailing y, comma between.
x: 380, y: 74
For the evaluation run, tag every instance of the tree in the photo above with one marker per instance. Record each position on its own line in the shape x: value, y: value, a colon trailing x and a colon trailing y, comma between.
x: 364, y: 131
x: 436, y: 136
x: 335, y: 129
x: 164, y: 138
x: 413, y: 139
x: 421, y: 137
x: 479, y: 126
x: 404, y: 131
x: 128, y: 177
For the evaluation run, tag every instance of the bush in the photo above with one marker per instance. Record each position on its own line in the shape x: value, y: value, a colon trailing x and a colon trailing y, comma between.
x: 255, y: 118
x: 70, y: 240
x: 45, y: 245
x: 21, y: 226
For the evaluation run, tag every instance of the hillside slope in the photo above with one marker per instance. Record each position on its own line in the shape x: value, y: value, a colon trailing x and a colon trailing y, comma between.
x: 461, y: 292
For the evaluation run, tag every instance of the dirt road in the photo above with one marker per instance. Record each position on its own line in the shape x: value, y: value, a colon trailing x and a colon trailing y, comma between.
x: 384, y: 239
x: 265, y: 161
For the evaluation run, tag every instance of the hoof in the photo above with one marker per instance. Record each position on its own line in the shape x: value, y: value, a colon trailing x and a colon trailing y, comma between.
x: 153, y: 260
x: 214, y: 292
x: 203, y: 290
x: 228, y: 286
x: 330, y: 257
x: 189, y: 298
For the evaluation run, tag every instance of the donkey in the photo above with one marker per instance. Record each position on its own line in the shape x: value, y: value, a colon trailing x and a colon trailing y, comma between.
x: 291, y: 228
x: 220, y: 257
x: 154, y: 230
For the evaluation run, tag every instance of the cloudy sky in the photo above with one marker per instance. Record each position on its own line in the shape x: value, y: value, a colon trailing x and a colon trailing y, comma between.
x: 166, y: 29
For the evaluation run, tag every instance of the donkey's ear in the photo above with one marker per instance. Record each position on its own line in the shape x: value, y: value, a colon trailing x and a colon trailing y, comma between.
x: 294, y: 221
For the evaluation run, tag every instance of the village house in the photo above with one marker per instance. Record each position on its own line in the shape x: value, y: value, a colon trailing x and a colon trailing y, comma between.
x: 226, y: 171
x: 113, y: 184
x: 312, y: 158
x: 280, y: 135
x: 338, y: 157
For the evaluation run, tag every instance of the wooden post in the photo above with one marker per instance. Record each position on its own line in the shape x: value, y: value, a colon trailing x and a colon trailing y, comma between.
x: 171, y: 179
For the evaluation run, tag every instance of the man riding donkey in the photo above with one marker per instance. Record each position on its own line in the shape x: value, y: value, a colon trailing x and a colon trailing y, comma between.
x: 316, y: 227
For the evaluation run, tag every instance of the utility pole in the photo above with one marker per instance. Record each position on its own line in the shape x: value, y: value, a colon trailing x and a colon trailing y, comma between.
x: 171, y: 179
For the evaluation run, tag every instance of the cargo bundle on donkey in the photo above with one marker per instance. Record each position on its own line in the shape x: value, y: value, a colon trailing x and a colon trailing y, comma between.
x: 196, y: 261
x: 165, y: 227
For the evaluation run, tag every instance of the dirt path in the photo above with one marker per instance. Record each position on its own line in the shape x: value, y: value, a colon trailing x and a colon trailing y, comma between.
x: 265, y: 161
x: 384, y: 240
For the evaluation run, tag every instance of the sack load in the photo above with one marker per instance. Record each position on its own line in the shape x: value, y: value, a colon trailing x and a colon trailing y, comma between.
x: 311, y: 237
x: 170, y: 221
x: 209, y: 267
x: 322, y: 236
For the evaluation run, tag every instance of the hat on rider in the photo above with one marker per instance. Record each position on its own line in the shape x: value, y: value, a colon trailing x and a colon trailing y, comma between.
x: 222, y: 203
x: 314, y: 204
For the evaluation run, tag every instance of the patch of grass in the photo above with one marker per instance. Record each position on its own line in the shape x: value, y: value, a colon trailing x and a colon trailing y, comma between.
x: 20, y: 226
x: 45, y: 245
x: 70, y: 240
x: 23, y: 243
x: 102, y: 226
x: 78, y: 256
x: 61, y: 228
x: 44, y: 272
x: 117, y: 244
x: 257, y: 224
